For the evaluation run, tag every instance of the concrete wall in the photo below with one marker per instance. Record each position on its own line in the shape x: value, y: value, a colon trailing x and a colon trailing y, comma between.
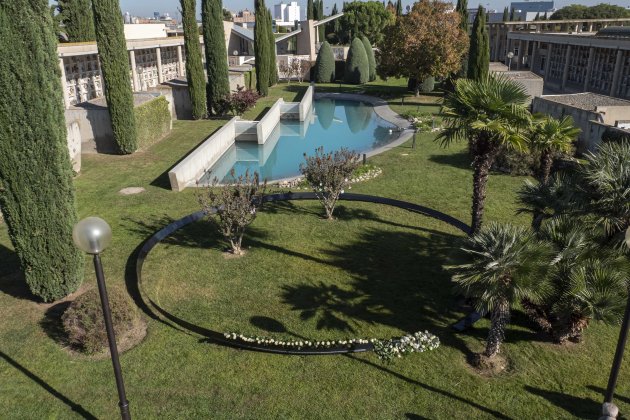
x: 269, y: 121
x: 145, y: 31
x: 612, y: 114
x: 74, y: 144
x: 306, y: 103
x: 203, y: 157
x: 95, y: 127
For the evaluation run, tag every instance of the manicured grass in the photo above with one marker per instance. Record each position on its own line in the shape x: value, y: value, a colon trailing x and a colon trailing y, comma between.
x: 376, y: 271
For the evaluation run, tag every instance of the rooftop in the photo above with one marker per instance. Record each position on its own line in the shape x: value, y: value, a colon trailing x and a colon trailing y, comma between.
x: 587, y: 101
x: 522, y: 75
x: 614, y: 31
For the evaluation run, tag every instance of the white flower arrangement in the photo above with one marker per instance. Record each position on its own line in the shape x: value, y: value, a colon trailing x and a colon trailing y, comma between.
x: 386, y: 350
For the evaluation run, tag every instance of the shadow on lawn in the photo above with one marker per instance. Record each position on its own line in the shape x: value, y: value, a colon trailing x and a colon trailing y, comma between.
x: 602, y: 391
x: 460, y: 160
x: 576, y: 406
x: 77, y: 408
x: 12, y: 280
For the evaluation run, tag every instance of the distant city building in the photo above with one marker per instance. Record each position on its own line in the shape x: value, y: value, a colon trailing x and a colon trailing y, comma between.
x: 286, y: 12
x: 244, y: 16
x: 127, y: 18
x: 156, y: 15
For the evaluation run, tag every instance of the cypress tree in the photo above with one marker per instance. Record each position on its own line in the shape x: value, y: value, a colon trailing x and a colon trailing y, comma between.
x: 310, y: 10
x: 371, y: 59
x: 462, y: 10
x: 78, y: 19
x: 261, y: 49
x: 218, y: 86
x: 506, y: 14
x: 112, y: 49
x: 513, y: 15
x: 357, y: 65
x: 273, y: 65
x: 320, y: 16
x: 399, y: 9
x: 194, y: 63
x: 537, y: 17
x: 479, y: 53
x: 36, y: 190
x: 325, y: 64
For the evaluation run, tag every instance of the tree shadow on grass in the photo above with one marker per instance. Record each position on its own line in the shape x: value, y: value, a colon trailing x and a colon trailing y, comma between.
x: 460, y: 160
x: 52, y: 324
x: 12, y: 280
x: 576, y: 406
x: 602, y: 391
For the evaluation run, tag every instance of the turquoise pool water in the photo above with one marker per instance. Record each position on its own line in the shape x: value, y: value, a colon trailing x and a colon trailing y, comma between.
x: 333, y: 124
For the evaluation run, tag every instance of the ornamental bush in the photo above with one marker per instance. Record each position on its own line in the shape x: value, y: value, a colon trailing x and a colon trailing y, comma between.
x: 112, y: 49
x: 153, y: 119
x: 371, y: 59
x: 357, y: 65
x: 325, y: 65
x: 427, y: 85
x: 83, y: 320
x: 242, y: 100
x: 234, y: 206
x: 36, y: 190
x: 328, y: 174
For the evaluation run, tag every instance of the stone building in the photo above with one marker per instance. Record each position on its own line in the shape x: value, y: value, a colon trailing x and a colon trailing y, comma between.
x: 572, y: 55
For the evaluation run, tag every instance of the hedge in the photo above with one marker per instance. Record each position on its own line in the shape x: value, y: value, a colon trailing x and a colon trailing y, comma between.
x: 153, y: 119
x: 357, y: 66
x: 325, y: 65
x: 428, y: 85
x: 371, y: 59
x: 36, y: 189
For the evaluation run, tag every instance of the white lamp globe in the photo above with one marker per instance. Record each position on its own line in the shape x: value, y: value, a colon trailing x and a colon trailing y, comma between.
x: 92, y: 235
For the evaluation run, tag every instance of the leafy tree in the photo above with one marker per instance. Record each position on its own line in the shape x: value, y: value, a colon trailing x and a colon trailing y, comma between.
x: 371, y: 59
x: 357, y: 64
x: 194, y: 64
x: 506, y: 14
x: 227, y: 15
x: 428, y: 41
x: 271, y: 39
x: 218, y: 86
x: 550, y: 136
x: 36, y: 190
x: 507, y: 264
x: 488, y: 113
x: 368, y: 18
x: 479, y: 52
x: 112, y: 49
x: 261, y: 52
x: 325, y: 65
x: 600, y: 11
x: 77, y: 19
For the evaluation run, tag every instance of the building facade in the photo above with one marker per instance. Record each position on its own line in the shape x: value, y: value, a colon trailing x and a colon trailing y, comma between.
x: 286, y: 13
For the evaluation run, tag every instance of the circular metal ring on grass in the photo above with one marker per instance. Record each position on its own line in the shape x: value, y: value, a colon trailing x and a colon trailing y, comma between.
x: 218, y: 337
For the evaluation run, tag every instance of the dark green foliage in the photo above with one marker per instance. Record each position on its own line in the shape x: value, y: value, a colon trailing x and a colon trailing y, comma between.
x: 537, y: 17
x: 427, y: 85
x: 357, y: 65
x: 218, y: 86
x: 506, y: 14
x: 261, y: 50
x: 77, y: 19
x: 367, y: 18
x: 324, y: 71
x: 462, y: 9
x: 250, y: 79
x: 194, y: 64
x: 399, y: 9
x: 479, y: 52
x: 600, y: 11
x: 227, y: 15
x: 273, y: 64
x: 615, y: 135
x: 112, y: 48
x: 512, y: 15
x: 371, y: 60
x: 153, y: 120
x: 310, y: 10
x: 36, y: 189
x: 84, y: 325
x: 333, y: 27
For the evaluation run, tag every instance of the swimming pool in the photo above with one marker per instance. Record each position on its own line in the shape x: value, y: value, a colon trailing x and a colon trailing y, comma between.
x: 332, y: 125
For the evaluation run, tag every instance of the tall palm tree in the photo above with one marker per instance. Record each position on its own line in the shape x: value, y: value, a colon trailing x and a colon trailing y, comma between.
x: 507, y: 265
x: 489, y: 113
x: 550, y: 136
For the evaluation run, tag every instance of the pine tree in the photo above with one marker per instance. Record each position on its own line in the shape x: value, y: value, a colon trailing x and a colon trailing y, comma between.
x: 310, y: 10
x: 273, y: 66
x: 112, y: 49
x: 325, y: 65
x: 77, y: 19
x: 261, y: 49
x: 194, y: 64
x: 506, y: 14
x: 399, y: 9
x: 218, y: 86
x: 357, y: 65
x: 36, y: 193
x: 479, y: 53
x: 371, y: 59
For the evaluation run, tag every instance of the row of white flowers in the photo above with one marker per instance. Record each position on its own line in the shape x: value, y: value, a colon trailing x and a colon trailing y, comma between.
x: 386, y: 350
x: 297, y: 182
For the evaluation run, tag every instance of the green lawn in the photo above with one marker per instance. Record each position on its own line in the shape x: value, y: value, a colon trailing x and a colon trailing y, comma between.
x: 374, y: 272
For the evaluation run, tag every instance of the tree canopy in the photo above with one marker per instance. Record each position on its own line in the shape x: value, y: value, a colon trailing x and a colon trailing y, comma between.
x: 428, y: 41
x: 368, y: 18
x: 600, y: 11
x: 78, y: 19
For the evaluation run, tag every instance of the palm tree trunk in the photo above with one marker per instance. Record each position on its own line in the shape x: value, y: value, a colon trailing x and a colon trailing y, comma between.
x: 499, y: 319
x: 572, y: 330
x: 485, y: 152
x: 537, y: 314
x: 546, y: 161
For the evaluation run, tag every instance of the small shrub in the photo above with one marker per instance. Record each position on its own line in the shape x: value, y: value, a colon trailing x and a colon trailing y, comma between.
x: 241, y: 101
x: 518, y: 163
x: 84, y: 324
x: 234, y: 206
x: 427, y: 85
x: 153, y: 121
x: 328, y: 175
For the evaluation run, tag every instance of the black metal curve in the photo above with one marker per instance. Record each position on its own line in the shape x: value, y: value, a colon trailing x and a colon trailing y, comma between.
x: 219, y: 338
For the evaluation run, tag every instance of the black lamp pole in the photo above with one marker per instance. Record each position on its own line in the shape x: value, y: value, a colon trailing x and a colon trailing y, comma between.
x: 621, y: 344
x: 111, y: 338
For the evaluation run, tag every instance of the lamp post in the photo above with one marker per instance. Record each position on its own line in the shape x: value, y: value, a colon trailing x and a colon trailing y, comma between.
x: 609, y: 410
x: 510, y: 56
x: 92, y: 235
